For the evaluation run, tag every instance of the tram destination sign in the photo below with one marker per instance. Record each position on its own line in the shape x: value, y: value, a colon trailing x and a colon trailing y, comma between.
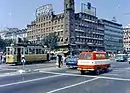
x: 44, y: 10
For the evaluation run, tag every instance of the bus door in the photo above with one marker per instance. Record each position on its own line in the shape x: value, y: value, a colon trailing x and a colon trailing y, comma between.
x: 18, y: 55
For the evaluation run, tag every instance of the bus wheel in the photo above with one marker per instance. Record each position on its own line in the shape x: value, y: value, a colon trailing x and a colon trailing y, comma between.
x: 97, y: 72
x: 106, y: 70
x: 82, y: 72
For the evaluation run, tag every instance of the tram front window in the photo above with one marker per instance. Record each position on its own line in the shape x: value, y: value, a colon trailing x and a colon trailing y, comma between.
x: 10, y: 51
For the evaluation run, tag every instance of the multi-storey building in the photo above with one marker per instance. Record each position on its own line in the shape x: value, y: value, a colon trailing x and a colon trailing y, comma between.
x: 13, y: 33
x: 75, y: 30
x: 113, y: 38
x: 127, y: 38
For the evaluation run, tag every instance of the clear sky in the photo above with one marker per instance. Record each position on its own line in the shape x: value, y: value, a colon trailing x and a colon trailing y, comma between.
x: 19, y: 13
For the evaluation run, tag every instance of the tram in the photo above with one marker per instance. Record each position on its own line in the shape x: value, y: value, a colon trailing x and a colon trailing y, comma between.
x: 32, y: 53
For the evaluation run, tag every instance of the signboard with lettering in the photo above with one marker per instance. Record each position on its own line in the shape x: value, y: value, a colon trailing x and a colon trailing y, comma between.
x: 100, y: 56
x: 44, y: 10
x: 88, y: 9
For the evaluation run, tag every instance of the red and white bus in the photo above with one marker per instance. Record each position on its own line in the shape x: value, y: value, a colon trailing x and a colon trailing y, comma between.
x: 93, y: 61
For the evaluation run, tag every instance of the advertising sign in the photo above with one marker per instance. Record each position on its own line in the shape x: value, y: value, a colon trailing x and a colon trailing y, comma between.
x: 44, y: 10
x: 88, y: 9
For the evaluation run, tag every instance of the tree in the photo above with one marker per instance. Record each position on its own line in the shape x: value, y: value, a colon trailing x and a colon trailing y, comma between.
x: 8, y: 42
x: 2, y: 44
x: 25, y: 40
x: 50, y: 41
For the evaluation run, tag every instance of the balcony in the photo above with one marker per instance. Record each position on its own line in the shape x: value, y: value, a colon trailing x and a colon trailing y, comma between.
x: 99, y: 28
x: 79, y: 30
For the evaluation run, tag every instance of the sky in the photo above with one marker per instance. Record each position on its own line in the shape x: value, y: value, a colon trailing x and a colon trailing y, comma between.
x: 19, y: 13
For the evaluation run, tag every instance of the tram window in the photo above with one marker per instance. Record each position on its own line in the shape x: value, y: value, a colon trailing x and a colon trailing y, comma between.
x: 21, y: 50
x: 42, y: 51
x: 14, y: 50
x: 39, y: 51
x: 36, y: 51
x: 8, y: 51
x: 31, y: 51
x: 11, y: 51
x: 26, y: 51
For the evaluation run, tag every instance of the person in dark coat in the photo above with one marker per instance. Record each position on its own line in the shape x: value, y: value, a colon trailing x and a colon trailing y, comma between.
x: 59, y: 60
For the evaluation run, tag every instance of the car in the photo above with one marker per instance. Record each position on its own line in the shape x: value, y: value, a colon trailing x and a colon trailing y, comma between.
x: 72, y: 62
x: 128, y: 60
x: 121, y: 58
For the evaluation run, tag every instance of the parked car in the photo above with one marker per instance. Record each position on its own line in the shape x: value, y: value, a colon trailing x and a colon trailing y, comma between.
x: 72, y: 62
x: 121, y: 57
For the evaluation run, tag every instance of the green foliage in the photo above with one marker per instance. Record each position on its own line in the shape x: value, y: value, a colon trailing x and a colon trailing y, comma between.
x: 2, y: 44
x: 50, y: 41
x: 8, y: 42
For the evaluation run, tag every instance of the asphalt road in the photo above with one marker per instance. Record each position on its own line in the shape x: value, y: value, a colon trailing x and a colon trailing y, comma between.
x: 64, y: 80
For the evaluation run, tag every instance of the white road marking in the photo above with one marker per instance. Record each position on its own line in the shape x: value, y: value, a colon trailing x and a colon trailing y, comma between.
x: 119, y: 79
x: 27, y: 81
x: 72, y: 72
x: 102, y: 77
x: 69, y: 74
x: 7, y: 69
x: 77, y: 84
x: 9, y: 74
x: 50, y: 69
x: 110, y: 74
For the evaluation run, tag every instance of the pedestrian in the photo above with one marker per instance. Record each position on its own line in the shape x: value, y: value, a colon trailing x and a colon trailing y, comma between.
x: 58, y: 62
x: 64, y: 59
x: 0, y: 59
x: 3, y: 58
x: 23, y: 60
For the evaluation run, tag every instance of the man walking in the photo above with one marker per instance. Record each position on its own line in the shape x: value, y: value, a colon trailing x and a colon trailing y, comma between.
x: 59, y: 58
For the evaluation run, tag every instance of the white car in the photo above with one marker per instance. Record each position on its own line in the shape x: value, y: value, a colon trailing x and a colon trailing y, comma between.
x: 128, y: 60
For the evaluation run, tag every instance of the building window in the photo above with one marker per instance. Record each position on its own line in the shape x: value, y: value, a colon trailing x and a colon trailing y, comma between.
x: 61, y: 20
x: 61, y: 26
x: 55, y: 22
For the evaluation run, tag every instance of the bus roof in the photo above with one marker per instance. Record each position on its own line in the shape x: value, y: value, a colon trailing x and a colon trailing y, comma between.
x: 92, y: 52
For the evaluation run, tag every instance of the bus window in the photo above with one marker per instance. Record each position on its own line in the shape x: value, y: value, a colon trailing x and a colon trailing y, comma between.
x: 81, y: 56
x: 88, y: 56
x: 100, y: 56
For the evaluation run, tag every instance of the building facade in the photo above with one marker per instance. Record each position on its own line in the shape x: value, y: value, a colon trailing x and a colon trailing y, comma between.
x: 13, y: 33
x: 76, y: 31
x: 113, y: 38
x: 127, y: 39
